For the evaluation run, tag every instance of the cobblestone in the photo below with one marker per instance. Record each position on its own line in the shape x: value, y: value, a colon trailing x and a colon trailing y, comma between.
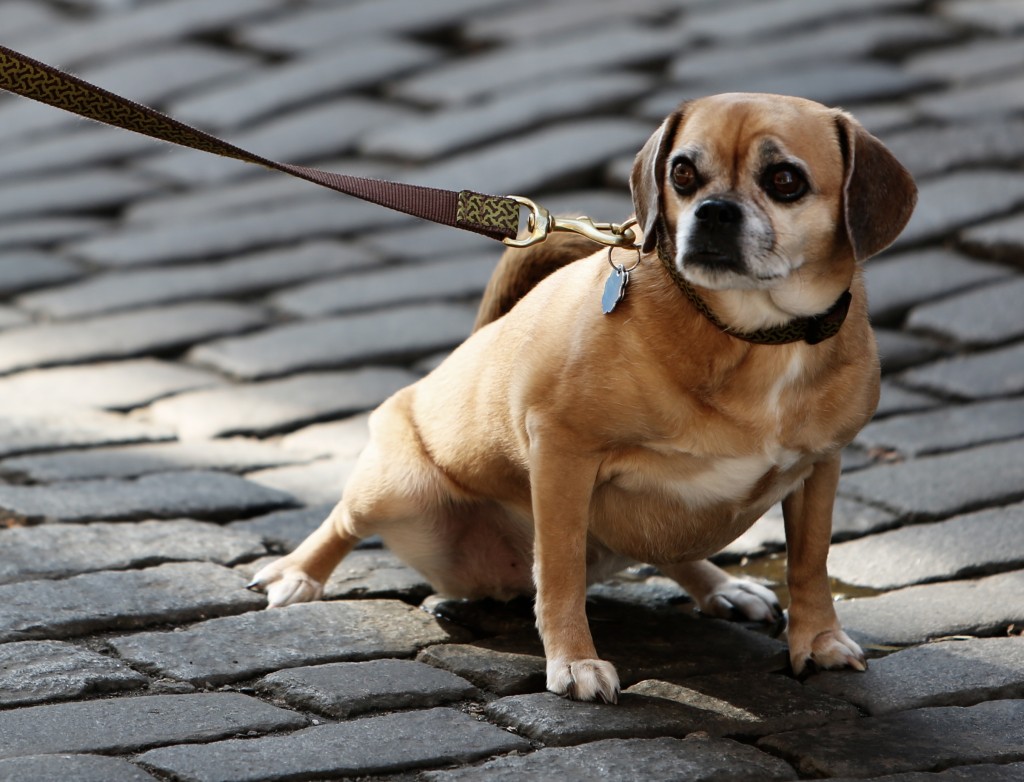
x: 975, y: 544
x: 131, y: 724
x: 161, y: 495
x: 278, y: 405
x: 116, y: 600
x: 396, y: 742
x: 342, y: 690
x: 918, y: 740
x: 63, y: 550
x: 34, y: 672
x: 695, y: 758
x: 960, y: 672
x: 147, y: 295
x: 241, y: 647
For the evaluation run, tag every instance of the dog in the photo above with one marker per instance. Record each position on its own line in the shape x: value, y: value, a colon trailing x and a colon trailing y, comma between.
x: 559, y: 444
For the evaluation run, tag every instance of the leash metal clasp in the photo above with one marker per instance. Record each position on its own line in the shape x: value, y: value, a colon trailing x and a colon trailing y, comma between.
x: 541, y: 223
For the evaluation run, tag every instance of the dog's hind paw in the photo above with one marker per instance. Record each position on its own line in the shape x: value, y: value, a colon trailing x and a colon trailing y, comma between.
x: 744, y: 601
x: 584, y: 680
x: 285, y: 585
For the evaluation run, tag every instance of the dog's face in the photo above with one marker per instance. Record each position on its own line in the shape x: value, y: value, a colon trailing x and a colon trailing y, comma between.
x: 748, y: 189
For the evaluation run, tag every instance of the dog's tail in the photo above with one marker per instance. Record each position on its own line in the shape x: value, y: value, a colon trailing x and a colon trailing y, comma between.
x: 520, y: 269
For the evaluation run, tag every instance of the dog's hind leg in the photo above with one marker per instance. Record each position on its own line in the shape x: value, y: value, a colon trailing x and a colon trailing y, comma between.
x: 719, y: 594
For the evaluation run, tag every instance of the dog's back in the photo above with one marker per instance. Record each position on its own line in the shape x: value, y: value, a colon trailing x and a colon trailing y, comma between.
x: 521, y: 269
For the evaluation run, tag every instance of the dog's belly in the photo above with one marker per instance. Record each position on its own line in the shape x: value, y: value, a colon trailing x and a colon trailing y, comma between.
x: 670, y: 509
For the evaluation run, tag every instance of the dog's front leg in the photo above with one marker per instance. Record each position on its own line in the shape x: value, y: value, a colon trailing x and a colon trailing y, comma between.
x: 561, y: 487
x: 815, y: 635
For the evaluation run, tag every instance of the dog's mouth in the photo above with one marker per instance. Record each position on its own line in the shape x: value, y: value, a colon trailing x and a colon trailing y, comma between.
x: 713, y: 260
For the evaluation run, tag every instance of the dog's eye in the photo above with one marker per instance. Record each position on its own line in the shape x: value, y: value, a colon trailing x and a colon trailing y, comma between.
x: 785, y: 183
x: 684, y: 176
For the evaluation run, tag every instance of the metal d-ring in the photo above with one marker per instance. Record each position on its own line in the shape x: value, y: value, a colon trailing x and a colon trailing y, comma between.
x: 620, y: 268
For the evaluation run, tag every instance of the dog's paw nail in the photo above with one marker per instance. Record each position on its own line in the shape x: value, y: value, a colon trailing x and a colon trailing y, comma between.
x: 255, y: 586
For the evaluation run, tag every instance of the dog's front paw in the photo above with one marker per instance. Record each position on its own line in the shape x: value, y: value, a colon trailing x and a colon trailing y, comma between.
x: 745, y: 601
x: 828, y: 650
x: 584, y: 680
x: 285, y: 584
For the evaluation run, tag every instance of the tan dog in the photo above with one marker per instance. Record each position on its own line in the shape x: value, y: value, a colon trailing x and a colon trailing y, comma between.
x: 558, y: 444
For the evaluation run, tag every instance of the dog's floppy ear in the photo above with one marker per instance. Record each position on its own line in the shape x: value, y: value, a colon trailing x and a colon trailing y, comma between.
x: 879, y: 194
x: 649, y: 173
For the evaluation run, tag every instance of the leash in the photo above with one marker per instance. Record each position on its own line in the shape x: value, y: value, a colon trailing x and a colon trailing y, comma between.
x: 496, y: 217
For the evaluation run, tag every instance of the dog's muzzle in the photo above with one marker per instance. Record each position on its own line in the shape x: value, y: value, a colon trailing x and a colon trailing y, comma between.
x: 714, y: 241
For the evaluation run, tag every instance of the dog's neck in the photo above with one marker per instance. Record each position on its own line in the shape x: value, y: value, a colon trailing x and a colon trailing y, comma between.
x: 811, y: 329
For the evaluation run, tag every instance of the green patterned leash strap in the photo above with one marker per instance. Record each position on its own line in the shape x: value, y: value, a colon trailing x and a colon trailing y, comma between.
x: 496, y: 217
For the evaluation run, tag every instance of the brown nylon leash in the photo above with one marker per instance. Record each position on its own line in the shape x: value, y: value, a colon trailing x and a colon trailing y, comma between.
x: 494, y: 216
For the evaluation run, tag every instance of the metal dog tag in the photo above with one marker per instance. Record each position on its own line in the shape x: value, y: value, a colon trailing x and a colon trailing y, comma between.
x: 614, y: 289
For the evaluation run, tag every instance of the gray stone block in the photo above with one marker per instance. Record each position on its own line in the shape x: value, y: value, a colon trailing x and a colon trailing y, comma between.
x: 132, y: 724
x: 743, y: 704
x: 981, y: 375
x: 113, y: 600
x: 898, y: 350
x: 998, y: 16
x: 62, y: 550
x: 236, y: 277
x: 341, y: 690
x: 747, y: 21
x: 122, y: 335
x: 278, y: 405
x: 311, y: 28
x: 932, y: 150
x: 241, y: 647
x: 959, y: 672
x: 969, y: 61
x: 558, y: 722
x: 284, y: 529
x: 396, y: 742
x: 455, y: 129
x: 301, y: 135
x: 81, y: 768
x: 895, y: 399
x: 498, y: 672
x: 1000, y: 239
x: 235, y: 455
x: 141, y: 27
x: 9, y: 318
x: 204, y: 495
x: 345, y: 438
x: 993, y: 99
x: 981, y: 772
x: 517, y: 24
x: 400, y: 332
x: 26, y: 430
x: 936, y: 486
x: 203, y: 237
x: 22, y: 270
x: 959, y: 199
x: 946, y: 428
x: 27, y: 18
x: 459, y: 278
x: 117, y: 385
x: 694, y: 759
x: 77, y: 147
x: 87, y: 191
x: 918, y: 740
x: 469, y: 78
x: 270, y: 91
x: 976, y: 544
x: 894, y: 285
x: 846, y: 40
x: 984, y: 316
x: 986, y: 606
x: 38, y: 671
x: 47, y: 231
x: 532, y: 161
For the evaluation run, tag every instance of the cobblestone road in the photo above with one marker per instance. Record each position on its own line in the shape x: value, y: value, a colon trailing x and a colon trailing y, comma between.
x: 188, y: 346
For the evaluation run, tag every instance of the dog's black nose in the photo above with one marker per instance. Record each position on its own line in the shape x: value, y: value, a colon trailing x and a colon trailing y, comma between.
x: 717, y: 212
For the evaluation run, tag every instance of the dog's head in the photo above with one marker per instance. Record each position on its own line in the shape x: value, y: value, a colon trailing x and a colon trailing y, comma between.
x: 744, y: 190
